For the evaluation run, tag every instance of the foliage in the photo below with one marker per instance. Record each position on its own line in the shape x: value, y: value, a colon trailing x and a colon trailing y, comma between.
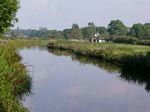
x: 147, y: 30
x: 137, y: 30
x: 73, y: 33
x: 14, y: 81
x: 102, y: 31
x: 76, y: 32
x: 8, y: 9
x: 116, y: 27
x: 91, y: 29
x: 67, y: 33
x: 143, y: 42
x: 56, y: 34
x: 131, y: 40
x: 124, y: 39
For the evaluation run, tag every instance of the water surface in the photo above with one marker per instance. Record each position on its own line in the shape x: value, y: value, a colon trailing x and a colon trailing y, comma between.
x: 62, y: 83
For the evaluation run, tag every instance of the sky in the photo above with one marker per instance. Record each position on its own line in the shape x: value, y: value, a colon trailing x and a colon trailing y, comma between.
x: 61, y: 14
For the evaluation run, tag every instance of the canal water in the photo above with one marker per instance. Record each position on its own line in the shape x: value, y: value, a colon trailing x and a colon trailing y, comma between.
x: 63, y: 82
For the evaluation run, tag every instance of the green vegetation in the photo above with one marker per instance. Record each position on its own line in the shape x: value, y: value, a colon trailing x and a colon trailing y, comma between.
x: 116, y: 31
x: 8, y: 9
x: 136, y: 30
x: 18, y: 43
x: 116, y: 27
x: 131, y: 40
x: 14, y: 81
x: 115, y: 53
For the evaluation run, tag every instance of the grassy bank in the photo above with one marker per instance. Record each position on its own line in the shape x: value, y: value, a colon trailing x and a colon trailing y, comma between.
x: 131, y: 40
x: 116, y: 53
x: 17, y: 43
x: 14, y: 80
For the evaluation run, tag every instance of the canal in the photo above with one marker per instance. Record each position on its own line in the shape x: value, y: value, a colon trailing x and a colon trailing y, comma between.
x: 63, y: 82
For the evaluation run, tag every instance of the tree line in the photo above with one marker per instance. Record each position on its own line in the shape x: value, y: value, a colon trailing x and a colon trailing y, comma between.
x: 116, y: 28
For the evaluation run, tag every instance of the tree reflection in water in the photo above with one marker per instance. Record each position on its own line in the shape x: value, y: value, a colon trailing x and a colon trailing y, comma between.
x: 136, y: 70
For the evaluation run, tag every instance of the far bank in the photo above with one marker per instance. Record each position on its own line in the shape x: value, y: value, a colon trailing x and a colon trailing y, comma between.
x: 119, y: 54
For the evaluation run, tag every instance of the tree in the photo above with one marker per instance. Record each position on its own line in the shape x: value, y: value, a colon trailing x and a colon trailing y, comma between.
x: 89, y: 31
x: 146, y: 30
x: 116, y: 27
x: 137, y: 30
x: 8, y: 9
x: 67, y: 33
x: 102, y: 31
x: 76, y: 32
x: 56, y: 34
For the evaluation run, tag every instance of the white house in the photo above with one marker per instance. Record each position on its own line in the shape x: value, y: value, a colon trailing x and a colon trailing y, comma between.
x: 97, y: 39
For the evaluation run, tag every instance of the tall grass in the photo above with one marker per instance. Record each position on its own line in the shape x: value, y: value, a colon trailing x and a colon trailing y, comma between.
x: 14, y: 81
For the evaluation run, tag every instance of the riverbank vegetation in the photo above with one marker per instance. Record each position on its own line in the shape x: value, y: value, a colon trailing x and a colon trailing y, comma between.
x: 14, y: 80
x: 18, y: 43
x: 114, y: 53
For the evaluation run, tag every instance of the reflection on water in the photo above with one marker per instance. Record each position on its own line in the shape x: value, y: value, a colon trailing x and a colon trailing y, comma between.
x: 86, y: 60
x: 131, y: 73
x: 64, y: 82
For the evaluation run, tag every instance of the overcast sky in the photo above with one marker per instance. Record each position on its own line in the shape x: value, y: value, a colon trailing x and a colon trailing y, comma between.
x: 60, y: 14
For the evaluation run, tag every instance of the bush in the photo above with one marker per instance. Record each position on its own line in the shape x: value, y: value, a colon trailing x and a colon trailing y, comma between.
x: 128, y: 40
x: 143, y: 42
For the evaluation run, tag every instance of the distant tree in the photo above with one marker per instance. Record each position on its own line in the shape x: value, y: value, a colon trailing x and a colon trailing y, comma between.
x: 102, y: 31
x: 76, y: 32
x: 56, y: 34
x: 8, y: 9
x: 137, y: 30
x: 14, y: 34
x: 42, y: 32
x: 116, y: 27
x: 146, y: 30
x: 89, y: 31
x: 84, y: 32
x: 34, y: 33
x: 67, y: 33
